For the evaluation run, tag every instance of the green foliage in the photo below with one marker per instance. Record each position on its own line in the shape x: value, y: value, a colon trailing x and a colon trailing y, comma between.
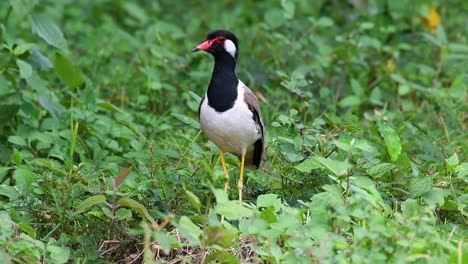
x: 101, y: 155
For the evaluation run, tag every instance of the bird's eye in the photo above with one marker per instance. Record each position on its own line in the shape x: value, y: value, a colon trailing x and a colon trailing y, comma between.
x: 222, y: 39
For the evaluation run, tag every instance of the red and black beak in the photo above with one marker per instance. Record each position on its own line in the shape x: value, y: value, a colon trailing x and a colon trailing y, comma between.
x: 209, y: 43
x: 203, y: 46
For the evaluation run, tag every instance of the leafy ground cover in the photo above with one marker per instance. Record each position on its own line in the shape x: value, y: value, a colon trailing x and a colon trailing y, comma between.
x: 102, y: 160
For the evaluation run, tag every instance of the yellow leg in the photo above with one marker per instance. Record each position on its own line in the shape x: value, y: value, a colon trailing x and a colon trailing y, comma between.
x: 241, y: 177
x: 226, y: 174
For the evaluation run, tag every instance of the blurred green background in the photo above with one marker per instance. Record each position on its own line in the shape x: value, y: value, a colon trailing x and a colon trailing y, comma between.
x: 364, y: 104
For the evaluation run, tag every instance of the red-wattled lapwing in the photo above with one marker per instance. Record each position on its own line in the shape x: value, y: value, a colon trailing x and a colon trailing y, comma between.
x: 229, y: 113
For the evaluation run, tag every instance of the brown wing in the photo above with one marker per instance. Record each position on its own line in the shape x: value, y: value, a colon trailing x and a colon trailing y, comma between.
x: 259, y: 146
x: 199, y: 106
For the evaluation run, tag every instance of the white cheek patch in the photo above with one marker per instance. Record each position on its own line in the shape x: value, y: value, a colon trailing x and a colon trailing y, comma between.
x: 230, y: 47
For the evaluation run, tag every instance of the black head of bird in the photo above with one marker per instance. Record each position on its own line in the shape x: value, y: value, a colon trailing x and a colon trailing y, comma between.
x: 229, y: 113
x: 218, y: 43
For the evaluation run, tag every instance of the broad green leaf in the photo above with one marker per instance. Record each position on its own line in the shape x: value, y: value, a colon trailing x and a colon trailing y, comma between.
x: 123, y: 214
x: 410, y: 208
x: 16, y: 157
x: 17, y: 140
x: 39, y: 60
x: 337, y: 168
x: 190, y: 230
x: 22, y: 48
x: 462, y: 170
x: 52, y: 106
x: 233, y: 210
x: 58, y: 255
x: 7, y: 227
x: 187, y: 120
x: 45, y: 28
x: 275, y: 18
x: 3, y: 172
x: 193, y: 199
x: 135, y: 11
x: 8, y: 112
x: 221, y: 257
x: 435, y: 196
x: 164, y: 240
x: 348, y: 101
x: 220, y: 195
x: 452, y: 162
x: 380, y: 169
x: 22, y: 8
x: 69, y: 73
x: 137, y: 207
x: 419, y: 186
x: 24, y: 179
x: 267, y: 200
x: 307, y: 165
x: 89, y: 202
x: 463, y: 204
x: 324, y: 22
x: 25, y: 69
x: 391, y: 139
x: 219, y: 235
x: 9, y: 191
x: 28, y: 229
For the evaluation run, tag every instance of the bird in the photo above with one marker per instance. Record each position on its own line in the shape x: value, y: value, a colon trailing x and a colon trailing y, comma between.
x: 229, y: 112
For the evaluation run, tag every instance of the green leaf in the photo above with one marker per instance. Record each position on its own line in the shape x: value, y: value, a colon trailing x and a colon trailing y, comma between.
x: 380, y: 169
x: 89, y: 202
x: 221, y: 257
x: 52, y: 106
x: 123, y: 214
x: 462, y: 170
x: 22, y: 48
x: 435, y: 196
x: 3, y: 172
x: 137, y: 207
x: 193, y: 199
x: 267, y: 200
x: 187, y: 120
x: 9, y: 191
x: 308, y: 165
x: 219, y: 235
x: 69, y: 73
x: 24, y: 68
x: 452, y: 162
x: 24, y: 179
x: 337, y: 168
x: 190, y: 230
x: 164, y: 240
x: 16, y: 157
x: 348, y: 101
x: 410, y: 208
x: 233, y: 210
x: 39, y: 60
x: 7, y: 226
x: 275, y: 18
x: 419, y: 186
x: 391, y: 139
x: 46, y: 29
x: 220, y: 195
x: 22, y: 7
x: 58, y: 255
x: 8, y: 112
x: 28, y: 229
x: 17, y: 140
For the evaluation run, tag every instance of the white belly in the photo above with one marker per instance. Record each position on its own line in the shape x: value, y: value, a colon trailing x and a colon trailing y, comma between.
x: 232, y: 131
